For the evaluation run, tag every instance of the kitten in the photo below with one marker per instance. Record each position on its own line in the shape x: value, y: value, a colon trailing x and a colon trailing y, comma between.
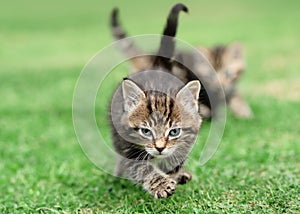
x: 154, y: 122
x: 228, y: 61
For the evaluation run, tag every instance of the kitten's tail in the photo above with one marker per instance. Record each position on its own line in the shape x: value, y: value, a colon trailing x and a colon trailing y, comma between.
x: 167, y: 44
x: 127, y: 46
x: 116, y: 28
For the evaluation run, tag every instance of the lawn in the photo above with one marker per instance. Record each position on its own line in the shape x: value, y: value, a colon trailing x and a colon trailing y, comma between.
x: 45, y: 45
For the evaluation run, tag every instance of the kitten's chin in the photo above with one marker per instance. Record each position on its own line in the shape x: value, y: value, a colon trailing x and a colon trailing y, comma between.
x: 161, y: 155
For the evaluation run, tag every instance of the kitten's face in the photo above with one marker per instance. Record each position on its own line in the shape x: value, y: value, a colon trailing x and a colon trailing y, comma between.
x: 159, y: 123
x: 228, y: 61
x: 159, y: 126
x: 232, y: 64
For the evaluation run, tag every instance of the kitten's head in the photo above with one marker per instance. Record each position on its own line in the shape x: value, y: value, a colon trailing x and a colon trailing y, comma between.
x: 232, y: 63
x: 227, y: 60
x: 161, y: 123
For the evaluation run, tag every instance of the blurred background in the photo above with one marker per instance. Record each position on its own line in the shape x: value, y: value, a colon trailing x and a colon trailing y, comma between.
x: 45, y: 44
x: 39, y: 37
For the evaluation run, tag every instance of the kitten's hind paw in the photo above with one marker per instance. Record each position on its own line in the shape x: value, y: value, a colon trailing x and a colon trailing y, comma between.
x: 184, y: 177
x: 162, y: 187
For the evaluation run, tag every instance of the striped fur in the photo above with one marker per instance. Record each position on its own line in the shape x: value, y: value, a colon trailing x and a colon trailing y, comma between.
x: 154, y: 130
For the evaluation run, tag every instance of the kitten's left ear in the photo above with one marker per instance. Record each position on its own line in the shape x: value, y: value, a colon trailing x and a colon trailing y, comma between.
x: 184, y: 95
x: 132, y: 94
x: 235, y: 51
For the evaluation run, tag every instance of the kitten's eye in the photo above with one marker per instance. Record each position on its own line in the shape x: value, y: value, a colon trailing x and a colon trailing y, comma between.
x: 174, y: 132
x: 146, y: 132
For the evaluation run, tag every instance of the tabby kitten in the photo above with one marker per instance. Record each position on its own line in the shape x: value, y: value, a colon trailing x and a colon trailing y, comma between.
x: 228, y: 61
x: 155, y: 121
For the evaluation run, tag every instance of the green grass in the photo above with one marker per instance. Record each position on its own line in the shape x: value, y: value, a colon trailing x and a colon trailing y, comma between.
x: 44, y: 46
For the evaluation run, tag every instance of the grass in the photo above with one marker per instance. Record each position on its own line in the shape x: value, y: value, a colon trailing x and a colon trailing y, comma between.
x: 44, y: 46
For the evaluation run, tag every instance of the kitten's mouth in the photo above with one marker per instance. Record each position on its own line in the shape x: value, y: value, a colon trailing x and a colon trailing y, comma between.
x: 158, y: 154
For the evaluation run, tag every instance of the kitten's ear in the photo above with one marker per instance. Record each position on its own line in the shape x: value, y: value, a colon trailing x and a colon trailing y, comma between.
x: 184, y: 95
x: 235, y: 51
x: 132, y: 94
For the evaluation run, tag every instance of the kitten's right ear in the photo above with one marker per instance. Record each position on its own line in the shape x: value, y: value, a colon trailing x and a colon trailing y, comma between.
x: 184, y: 95
x: 132, y: 94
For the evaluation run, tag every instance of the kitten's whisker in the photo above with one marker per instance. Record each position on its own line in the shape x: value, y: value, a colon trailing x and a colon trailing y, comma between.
x: 134, y: 152
x: 141, y: 154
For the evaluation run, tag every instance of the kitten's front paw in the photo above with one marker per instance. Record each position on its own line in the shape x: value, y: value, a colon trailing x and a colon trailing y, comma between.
x: 162, y: 187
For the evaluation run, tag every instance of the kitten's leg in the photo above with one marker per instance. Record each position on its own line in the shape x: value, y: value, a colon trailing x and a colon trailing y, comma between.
x: 182, y: 176
x: 239, y: 107
x: 159, y: 185
x: 204, y: 111
x: 153, y: 180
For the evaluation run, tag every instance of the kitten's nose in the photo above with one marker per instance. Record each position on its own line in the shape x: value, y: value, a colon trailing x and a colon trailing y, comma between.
x: 160, y: 149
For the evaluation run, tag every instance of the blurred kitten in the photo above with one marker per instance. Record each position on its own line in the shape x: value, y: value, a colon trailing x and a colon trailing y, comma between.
x: 228, y: 61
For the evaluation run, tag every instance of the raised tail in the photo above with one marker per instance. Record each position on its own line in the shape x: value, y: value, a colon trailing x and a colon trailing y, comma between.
x: 127, y: 46
x: 116, y: 29
x: 167, y: 44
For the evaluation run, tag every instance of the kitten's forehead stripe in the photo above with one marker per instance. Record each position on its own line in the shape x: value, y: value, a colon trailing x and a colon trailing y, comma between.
x: 153, y: 101
x: 167, y: 109
x: 149, y: 107
x: 170, y: 107
x: 165, y: 101
x: 156, y: 109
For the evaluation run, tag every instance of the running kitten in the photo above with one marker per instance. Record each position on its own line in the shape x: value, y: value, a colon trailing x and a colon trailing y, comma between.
x: 228, y: 61
x: 154, y: 123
